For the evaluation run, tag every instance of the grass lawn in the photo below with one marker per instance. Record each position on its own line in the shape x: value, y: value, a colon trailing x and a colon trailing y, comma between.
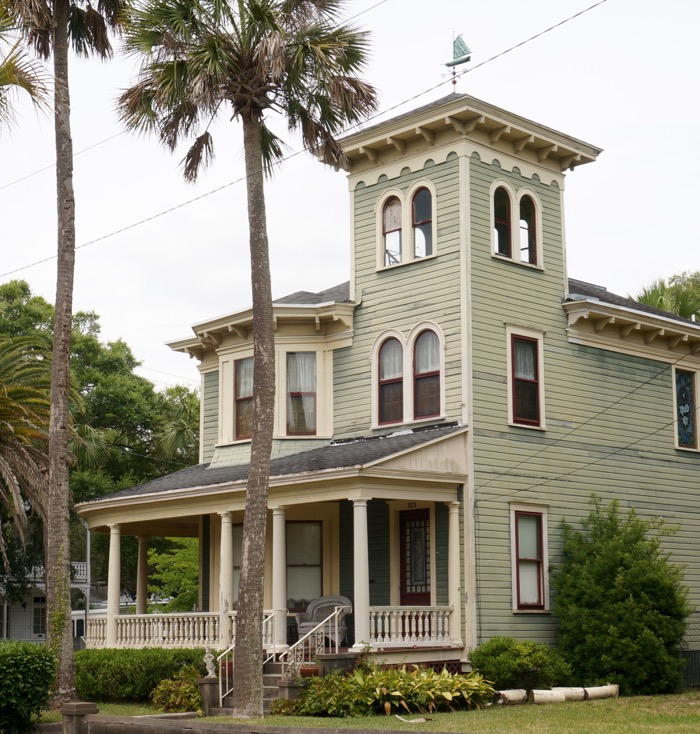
x: 111, y: 709
x: 675, y: 714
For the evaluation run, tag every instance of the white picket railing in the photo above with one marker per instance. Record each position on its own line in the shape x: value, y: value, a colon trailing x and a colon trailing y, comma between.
x: 409, y: 626
x: 191, y: 629
x: 78, y: 572
x: 312, y: 644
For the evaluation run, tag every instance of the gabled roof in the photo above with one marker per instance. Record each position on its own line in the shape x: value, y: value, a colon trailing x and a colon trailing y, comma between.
x: 355, y: 452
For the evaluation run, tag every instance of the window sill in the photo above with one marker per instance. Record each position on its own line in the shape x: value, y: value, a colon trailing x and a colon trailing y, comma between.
x: 518, y: 263
x: 403, y: 263
x: 409, y: 423
x: 688, y: 448
x: 542, y: 427
x: 532, y: 611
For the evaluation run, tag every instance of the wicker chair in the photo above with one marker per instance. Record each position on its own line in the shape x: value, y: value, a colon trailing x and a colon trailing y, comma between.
x: 321, y: 608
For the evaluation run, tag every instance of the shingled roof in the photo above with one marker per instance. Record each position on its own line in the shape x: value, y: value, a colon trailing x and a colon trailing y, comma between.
x: 336, y: 294
x: 355, y: 452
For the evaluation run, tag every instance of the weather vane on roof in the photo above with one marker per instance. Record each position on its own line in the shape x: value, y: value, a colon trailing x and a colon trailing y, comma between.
x: 460, y: 55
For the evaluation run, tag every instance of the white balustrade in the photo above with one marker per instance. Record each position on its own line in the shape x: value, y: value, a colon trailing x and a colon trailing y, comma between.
x: 409, y: 626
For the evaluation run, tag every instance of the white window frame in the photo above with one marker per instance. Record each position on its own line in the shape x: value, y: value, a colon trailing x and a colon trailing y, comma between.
x: 513, y: 330
x: 542, y: 511
x: 696, y: 395
x: 38, y: 606
x: 407, y: 240
x: 515, y: 198
x: 407, y: 344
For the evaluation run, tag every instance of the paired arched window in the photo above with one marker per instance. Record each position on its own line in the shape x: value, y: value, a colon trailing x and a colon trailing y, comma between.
x: 398, y: 228
x: 419, y: 396
x: 506, y: 234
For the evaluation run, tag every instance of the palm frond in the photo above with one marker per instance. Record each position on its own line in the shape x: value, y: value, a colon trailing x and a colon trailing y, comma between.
x: 198, y: 156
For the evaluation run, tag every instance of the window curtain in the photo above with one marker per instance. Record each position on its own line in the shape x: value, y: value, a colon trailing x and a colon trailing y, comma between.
x: 301, y: 372
x: 301, y: 393
x: 391, y: 360
x: 427, y: 353
x: 244, y: 377
x: 524, y: 356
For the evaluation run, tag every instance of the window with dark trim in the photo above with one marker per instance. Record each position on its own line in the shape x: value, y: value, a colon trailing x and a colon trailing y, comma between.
x: 422, y: 220
x: 528, y: 230
x: 502, y: 222
x: 426, y: 375
x: 525, y: 380
x: 301, y: 393
x: 304, y: 563
x: 391, y: 381
x: 529, y: 560
x: 391, y: 231
x: 686, y: 410
x: 243, y: 399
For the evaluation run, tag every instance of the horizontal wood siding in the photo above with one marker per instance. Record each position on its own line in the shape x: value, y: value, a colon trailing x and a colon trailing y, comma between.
x: 210, y: 414
x: 401, y: 297
x: 609, y: 421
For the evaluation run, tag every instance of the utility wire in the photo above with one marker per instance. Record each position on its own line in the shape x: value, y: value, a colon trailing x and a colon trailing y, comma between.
x: 293, y: 155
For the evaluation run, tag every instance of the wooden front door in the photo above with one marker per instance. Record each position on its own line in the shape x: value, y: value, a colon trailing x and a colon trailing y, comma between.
x: 415, y: 557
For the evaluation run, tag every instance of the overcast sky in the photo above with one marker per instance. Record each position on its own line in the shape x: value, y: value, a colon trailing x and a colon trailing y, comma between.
x: 621, y: 76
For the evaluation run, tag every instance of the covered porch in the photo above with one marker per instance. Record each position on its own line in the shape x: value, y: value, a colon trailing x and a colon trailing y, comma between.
x: 378, y: 521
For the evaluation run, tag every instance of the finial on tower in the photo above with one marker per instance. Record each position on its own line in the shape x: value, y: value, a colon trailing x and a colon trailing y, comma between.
x: 460, y: 55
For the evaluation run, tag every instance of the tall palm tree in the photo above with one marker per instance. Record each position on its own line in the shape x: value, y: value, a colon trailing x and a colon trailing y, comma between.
x: 51, y: 27
x: 249, y: 58
x: 25, y: 375
x: 17, y: 71
x: 678, y: 296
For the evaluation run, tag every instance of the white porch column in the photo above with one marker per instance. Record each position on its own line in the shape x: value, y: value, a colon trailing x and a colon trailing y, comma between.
x: 114, y: 574
x: 279, y: 577
x: 226, y: 578
x: 142, y: 576
x: 453, y: 573
x: 361, y: 574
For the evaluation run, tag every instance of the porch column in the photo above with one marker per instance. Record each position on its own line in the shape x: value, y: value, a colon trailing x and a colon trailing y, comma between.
x: 114, y: 574
x: 361, y: 574
x: 226, y: 578
x: 453, y: 573
x: 279, y: 577
x: 142, y: 576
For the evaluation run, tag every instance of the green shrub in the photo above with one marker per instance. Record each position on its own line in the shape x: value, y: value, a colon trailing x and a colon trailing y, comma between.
x: 370, y: 690
x: 129, y: 676
x: 179, y: 693
x: 27, y: 673
x: 509, y: 663
x: 621, y: 603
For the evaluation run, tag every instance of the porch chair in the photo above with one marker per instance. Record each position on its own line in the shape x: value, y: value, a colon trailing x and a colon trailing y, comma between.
x: 321, y: 608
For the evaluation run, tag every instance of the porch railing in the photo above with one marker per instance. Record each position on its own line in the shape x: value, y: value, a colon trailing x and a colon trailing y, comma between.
x: 191, y: 629
x: 225, y: 660
x: 311, y: 644
x: 409, y: 626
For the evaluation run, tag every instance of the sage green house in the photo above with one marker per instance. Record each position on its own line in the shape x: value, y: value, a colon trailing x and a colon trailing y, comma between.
x: 437, y: 416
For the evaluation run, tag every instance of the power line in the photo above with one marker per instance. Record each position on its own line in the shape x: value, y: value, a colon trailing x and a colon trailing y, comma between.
x: 293, y: 155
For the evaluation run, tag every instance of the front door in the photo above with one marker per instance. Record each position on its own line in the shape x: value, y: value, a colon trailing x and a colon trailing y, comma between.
x: 415, y: 557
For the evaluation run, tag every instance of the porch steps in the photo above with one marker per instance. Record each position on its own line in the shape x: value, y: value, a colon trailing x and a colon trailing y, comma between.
x: 272, y: 672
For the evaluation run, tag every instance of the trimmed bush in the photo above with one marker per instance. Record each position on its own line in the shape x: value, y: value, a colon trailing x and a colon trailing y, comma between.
x: 27, y: 673
x: 621, y: 603
x: 508, y: 663
x: 129, y: 676
x: 179, y: 693
x: 373, y: 690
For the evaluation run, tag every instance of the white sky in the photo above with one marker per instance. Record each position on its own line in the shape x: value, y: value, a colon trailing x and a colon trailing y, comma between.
x: 622, y: 76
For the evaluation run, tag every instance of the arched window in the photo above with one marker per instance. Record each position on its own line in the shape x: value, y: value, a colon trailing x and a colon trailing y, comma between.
x: 391, y: 382
x: 528, y: 241
x: 501, y: 222
x: 422, y: 223
x: 391, y: 230
x: 426, y: 375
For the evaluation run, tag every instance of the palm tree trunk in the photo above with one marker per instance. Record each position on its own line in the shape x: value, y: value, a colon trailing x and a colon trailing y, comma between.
x: 58, y: 546
x: 247, y: 675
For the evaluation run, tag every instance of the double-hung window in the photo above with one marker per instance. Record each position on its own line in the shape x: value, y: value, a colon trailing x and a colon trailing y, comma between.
x: 422, y: 212
x: 391, y: 231
x: 243, y: 398
x: 304, y: 563
x: 391, y: 382
x: 525, y: 380
x: 686, y: 409
x: 529, y: 558
x: 426, y: 375
x: 301, y: 393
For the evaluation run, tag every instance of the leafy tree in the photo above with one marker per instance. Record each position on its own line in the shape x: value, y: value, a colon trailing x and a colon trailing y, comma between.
x: 17, y: 71
x: 176, y: 574
x: 51, y: 27
x: 248, y: 59
x: 679, y: 295
x: 620, y: 601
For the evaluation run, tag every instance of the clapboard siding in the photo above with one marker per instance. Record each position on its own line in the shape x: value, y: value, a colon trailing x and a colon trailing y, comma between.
x: 210, y: 414
x: 609, y: 420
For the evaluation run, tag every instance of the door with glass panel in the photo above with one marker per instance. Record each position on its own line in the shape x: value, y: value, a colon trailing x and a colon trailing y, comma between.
x: 414, y: 528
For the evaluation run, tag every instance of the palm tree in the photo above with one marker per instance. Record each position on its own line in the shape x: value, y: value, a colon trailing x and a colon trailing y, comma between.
x: 679, y: 296
x: 248, y: 59
x: 24, y: 415
x: 51, y: 27
x: 17, y: 72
